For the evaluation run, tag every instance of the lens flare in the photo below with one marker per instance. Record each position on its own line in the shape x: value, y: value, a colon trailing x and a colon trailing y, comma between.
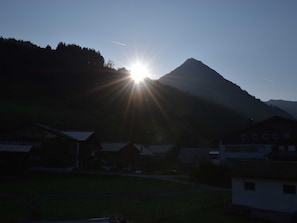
x: 138, y: 72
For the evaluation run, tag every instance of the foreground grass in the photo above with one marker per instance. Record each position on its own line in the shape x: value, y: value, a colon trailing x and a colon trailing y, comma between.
x: 83, y: 197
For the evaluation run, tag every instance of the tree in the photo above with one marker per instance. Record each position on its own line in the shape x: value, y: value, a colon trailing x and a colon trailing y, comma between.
x: 110, y: 64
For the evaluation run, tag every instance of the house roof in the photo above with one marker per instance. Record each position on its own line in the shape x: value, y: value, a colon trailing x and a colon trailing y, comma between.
x: 192, y: 155
x: 72, y: 135
x: 79, y: 136
x: 272, y: 170
x: 15, y: 148
x: 53, y: 131
x: 159, y: 149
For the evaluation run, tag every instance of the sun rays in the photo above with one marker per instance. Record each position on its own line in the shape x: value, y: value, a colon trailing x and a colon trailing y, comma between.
x: 138, y: 72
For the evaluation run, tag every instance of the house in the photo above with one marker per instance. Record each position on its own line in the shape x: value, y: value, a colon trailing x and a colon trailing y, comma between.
x: 258, y: 140
x: 14, y: 158
x: 265, y: 186
x: 87, y: 147
x: 52, y: 148
x: 123, y: 156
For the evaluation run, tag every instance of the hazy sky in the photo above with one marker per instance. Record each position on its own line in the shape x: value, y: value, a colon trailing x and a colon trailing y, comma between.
x: 252, y: 43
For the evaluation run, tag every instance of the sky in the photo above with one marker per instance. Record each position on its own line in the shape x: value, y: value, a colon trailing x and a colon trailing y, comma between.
x: 252, y: 43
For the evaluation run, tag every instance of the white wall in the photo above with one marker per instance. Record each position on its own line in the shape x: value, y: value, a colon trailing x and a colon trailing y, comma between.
x: 268, y: 195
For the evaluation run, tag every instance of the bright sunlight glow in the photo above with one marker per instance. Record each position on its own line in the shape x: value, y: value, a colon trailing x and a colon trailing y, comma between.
x: 138, y: 72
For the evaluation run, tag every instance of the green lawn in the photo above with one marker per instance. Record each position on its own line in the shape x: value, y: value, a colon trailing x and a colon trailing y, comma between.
x: 80, y: 197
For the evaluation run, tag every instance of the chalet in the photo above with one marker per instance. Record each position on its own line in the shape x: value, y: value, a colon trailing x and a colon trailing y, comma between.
x: 259, y: 140
x: 265, y: 187
x: 123, y: 156
x: 52, y: 148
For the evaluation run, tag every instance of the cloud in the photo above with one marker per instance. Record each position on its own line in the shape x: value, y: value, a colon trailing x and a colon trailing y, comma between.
x: 268, y: 80
x: 117, y: 43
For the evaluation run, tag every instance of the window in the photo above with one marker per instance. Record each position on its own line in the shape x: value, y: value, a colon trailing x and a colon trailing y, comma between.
x: 275, y: 136
x: 265, y: 136
x: 250, y: 186
x: 244, y: 137
x: 289, y: 189
x: 261, y: 149
x: 291, y: 148
x: 287, y: 135
x: 255, y: 136
x: 281, y: 149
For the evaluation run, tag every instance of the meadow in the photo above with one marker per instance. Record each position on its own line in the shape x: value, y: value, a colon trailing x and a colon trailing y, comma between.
x: 70, y: 197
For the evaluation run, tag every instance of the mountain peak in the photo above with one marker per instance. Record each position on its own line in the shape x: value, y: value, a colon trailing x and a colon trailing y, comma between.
x: 193, y: 68
x: 192, y: 60
x: 198, y: 79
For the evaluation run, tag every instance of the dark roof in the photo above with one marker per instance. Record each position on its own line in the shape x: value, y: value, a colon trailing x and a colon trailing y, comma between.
x: 15, y: 148
x: 72, y: 135
x: 53, y: 131
x: 271, y: 170
x: 79, y: 135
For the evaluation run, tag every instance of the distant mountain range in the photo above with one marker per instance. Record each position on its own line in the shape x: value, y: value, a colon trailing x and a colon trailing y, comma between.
x: 288, y: 106
x: 198, y: 79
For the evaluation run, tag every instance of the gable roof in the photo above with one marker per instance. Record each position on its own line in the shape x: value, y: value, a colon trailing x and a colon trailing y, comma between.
x: 52, y: 130
x: 68, y: 134
x: 77, y: 135
x: 15, y: 148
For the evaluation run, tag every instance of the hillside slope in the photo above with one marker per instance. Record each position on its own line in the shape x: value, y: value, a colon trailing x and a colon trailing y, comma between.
x: 288, y: 106
x: 198, y: 79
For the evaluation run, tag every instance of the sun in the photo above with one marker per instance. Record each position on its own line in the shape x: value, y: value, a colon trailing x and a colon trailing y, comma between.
x: 138, y: 72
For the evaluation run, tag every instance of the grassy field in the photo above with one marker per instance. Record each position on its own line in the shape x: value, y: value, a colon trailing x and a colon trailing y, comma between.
x: 142, y: 200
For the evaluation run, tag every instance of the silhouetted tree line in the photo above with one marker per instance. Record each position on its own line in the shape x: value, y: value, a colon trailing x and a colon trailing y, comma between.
x: 20, y: 55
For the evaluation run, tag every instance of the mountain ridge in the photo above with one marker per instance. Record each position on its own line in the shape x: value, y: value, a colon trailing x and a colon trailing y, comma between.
x: 288, y: 106
x: 198, y: 79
